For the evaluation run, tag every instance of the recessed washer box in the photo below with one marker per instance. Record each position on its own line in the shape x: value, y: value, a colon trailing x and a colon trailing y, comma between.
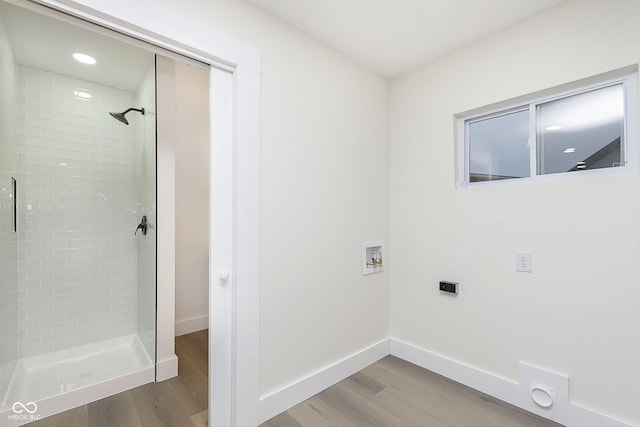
x: 372, y: 257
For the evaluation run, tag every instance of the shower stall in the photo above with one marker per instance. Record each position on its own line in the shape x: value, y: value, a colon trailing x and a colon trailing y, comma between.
x: 77, y: 217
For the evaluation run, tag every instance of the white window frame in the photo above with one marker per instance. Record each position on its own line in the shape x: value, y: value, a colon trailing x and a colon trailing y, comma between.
x: 629, y: 147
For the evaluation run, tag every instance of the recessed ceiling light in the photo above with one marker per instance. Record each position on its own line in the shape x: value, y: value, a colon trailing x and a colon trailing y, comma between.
x: 553, y: 127
x: 82, y: 94
x: 85, y: 59
x: 569, y: 150
x: 581, y: 166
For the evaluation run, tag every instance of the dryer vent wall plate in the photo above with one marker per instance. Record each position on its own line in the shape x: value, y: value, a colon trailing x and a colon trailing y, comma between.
x: 542, y: 391
x: 543, y: 397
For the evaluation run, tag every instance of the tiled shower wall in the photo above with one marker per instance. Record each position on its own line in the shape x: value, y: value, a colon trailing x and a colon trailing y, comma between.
x: 8, y: 242
x: 77, y: 214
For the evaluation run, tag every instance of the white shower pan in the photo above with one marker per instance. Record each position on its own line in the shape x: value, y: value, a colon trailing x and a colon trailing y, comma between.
x: 55, y: 382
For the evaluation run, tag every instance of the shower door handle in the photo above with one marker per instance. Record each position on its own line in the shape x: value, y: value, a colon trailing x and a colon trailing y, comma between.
x: 14, y: 211
x: 142, y: 226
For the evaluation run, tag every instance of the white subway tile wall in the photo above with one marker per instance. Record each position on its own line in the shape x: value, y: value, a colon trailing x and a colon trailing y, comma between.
x: 78, y: 209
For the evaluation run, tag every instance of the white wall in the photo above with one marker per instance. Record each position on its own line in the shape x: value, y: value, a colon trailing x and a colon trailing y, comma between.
x: 324, y: 192
x: 324, y: 163
x: 578, y: 312
x: 192, y: 197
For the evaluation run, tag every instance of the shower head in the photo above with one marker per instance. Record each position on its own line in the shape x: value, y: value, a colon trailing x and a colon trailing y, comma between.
x: 121, y: 116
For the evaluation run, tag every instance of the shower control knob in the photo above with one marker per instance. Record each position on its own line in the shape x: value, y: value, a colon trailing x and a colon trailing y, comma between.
x: 224, y: 275
x: 142, y: 226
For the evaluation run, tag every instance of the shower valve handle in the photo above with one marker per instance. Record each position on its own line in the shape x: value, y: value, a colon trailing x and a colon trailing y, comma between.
x: 142, y: 226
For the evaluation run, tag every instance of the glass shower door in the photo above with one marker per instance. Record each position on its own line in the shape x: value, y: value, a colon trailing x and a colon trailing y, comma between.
x: 8, y: 236
x: 146, y: 212
x: 77, y: 283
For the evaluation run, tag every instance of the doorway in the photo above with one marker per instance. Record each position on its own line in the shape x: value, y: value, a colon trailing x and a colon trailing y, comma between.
x: 235, y: 272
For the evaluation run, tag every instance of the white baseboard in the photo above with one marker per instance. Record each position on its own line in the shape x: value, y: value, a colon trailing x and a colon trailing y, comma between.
x: 509, y: 391
x: 167, y: 368
x: 193, y: 324
x: 287, y: 397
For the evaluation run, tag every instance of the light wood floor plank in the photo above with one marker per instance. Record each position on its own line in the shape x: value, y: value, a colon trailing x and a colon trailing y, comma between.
x: 200, y: 419
x: 117, y: 410
x: 357, y: 408
x: 151, y: 410
x: 77, y: 417
x: 317, y: 413
x: 283, y: 420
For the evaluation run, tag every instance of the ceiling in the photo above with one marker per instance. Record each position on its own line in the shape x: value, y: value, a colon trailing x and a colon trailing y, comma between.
x: 46, y: 43
x: 393, y: 37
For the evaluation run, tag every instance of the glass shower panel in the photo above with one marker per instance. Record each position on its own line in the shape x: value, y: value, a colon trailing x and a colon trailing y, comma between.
x: 78, y: 277
x: 8, y: 237
x: 146, y: 207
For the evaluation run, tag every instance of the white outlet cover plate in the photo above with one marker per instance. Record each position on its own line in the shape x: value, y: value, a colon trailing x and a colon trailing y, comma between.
x: 523, y: 262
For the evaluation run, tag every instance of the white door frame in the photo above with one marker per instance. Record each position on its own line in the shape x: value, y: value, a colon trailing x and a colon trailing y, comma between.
x: 234, y: 325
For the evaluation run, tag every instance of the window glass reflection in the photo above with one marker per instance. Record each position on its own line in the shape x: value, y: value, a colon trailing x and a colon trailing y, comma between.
x: 498, y: 147
x: 581, y: 132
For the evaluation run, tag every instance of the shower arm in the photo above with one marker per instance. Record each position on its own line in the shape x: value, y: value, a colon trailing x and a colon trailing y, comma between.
x: 139, y: 110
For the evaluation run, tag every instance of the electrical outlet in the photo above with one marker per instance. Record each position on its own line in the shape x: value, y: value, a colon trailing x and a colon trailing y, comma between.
x: 523, y: 261
x: 450, y: 287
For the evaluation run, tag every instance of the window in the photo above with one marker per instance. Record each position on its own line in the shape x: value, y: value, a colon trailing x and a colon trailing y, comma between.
x: 582, y: 130
x: 499, y: 146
